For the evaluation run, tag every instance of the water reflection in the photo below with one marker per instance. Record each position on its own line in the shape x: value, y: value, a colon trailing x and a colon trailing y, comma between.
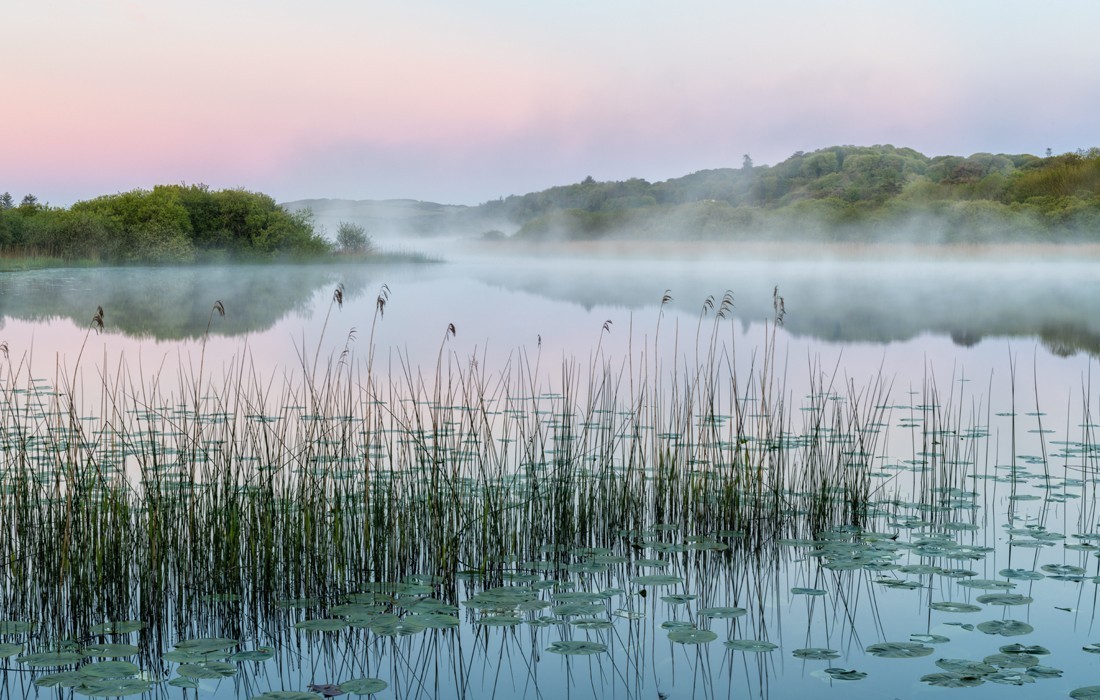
x: 834, y: 300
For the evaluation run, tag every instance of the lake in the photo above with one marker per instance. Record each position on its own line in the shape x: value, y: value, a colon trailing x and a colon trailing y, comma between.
x: 567, y: 472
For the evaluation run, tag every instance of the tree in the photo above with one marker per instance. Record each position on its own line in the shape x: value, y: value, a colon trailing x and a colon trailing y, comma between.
x: 6, y: 201
x: 746, y: 162
x: 352, y: 238
x: 29, y: 205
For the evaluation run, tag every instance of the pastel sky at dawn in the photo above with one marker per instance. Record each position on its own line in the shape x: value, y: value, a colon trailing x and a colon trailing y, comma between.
x: 462, y: 102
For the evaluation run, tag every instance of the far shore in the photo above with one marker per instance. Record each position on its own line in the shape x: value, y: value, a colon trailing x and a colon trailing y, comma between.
x: 688, y: 250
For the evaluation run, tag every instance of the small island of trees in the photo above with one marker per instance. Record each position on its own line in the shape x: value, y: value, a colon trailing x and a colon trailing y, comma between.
x: 168, y: 224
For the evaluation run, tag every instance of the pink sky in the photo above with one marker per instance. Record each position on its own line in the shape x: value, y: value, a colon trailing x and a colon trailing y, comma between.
x: 467, y: 102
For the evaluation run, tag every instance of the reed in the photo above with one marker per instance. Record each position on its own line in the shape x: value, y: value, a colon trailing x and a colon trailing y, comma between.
x: 242, y: 496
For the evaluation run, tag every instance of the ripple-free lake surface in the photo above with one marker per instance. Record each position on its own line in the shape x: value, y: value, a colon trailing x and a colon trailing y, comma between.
x: 981, y: 532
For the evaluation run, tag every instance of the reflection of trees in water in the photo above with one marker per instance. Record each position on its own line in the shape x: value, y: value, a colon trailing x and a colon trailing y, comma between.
x: 174, y: 302
x: 861, y: 302
x: 833, y: 302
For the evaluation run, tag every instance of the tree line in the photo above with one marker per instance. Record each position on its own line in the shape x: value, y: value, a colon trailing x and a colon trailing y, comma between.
x: 860, y: 192
x: 168, y: 224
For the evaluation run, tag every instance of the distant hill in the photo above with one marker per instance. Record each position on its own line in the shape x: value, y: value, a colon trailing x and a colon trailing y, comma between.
x: 877, y: 192
x: 398, y: 217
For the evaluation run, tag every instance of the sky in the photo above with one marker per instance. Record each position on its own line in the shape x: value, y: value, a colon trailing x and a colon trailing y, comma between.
x: 465, y: 102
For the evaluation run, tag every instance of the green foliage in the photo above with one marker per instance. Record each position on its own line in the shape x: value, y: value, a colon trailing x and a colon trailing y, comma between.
x: 352, y: 238
x: 842, y: 192
x: 168, y: 224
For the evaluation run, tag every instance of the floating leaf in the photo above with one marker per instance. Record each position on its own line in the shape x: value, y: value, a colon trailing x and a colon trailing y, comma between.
x: 576, y: 648
x: 1009, y: 678
x: 722, y: 613
x: 1006, y: 628
x: 287, y: 695
x: 15, y: 627
x: 323, y: 624
x: 1005, y: 599
x: 816, y: 653
x: 47, y: 659
x: 899, y: 650
x: 206, y: 645
x: 213, y: 670
x: 952, y: 680
x: 1089, y: 692
x: 966, y: 667
x: 656, y: 580
x: 8, y: 649
x: 189, y: 683
x: 929, y: 638
x: 1034, y: 649
x: 261, y: 654
x: 109, y: 651
x: 1063, y: 569
x: 110, y: 669
x: 808, y: 591
x: 364, y: 686
x: 1011, y: 660
x: 499, y: 621
x: 114, y: 688
x: 755, y: 645
x: 1023, y: 574
x: 692, y: 636
x: 841, y: 674
x: 951, y: 606
x: 64, y: 679
x: 118, y: 627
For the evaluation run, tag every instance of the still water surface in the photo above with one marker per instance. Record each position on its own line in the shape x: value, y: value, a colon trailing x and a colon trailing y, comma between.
x: 1009, y: 344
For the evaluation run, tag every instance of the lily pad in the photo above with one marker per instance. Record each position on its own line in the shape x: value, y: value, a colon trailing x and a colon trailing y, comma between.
x: 841, y: 674
x: 1005, y: 599
x: 117, y: 627
x: 899, y: 650
x: 656, y: 580
x: 816, y: 654
x: 1006, y: 628
x: 109, y: 651
x: 952, y: 680
x: 113, y: 688
x: 261, y: 654
x: 15, y: 627
x: 1089, y: 692
x: 951, y: 606
x: 64, y: 679
x: 7, y: 649
x: 364, y: 686
x: 48, y: 659
x: 110, y: 669
x: 576, y: 648
x: 206, y: 645
x: 756, y: 645
x: 213, y: 670
x: 722, y: 613
x: 692, y: 636
x: 1022, y: 574
x: 323, y: 624
x: 808, y: 591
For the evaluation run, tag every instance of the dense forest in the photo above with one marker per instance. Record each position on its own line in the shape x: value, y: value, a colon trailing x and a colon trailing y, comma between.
x: 843, y: 192
x: 168, y: 224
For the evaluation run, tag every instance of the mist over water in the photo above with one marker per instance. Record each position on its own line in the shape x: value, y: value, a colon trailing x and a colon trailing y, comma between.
x: 830, y: 297
x: 994, y: 343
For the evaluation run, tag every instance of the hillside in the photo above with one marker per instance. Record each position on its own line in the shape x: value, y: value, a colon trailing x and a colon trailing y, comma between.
x: 843, y: 192
x: 862, y: 193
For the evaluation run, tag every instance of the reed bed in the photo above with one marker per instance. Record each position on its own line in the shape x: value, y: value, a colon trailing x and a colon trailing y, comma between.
x: 178, y: 500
